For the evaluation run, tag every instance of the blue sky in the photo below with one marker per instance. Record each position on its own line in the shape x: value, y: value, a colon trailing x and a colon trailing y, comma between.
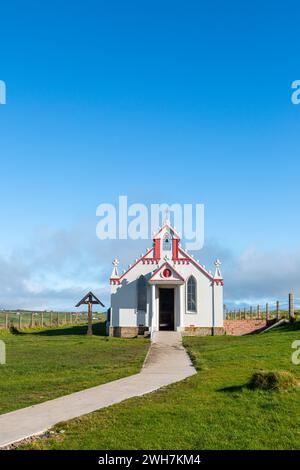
x: 164, y: 102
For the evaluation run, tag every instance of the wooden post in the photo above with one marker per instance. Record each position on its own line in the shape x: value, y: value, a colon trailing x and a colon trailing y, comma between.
x: 291, y: 307
x: 31, y: 321
x: 277, y: 310
x: 251, y: 313
x: 20, y: 324
x: 65, y: 318
x: 57, y: 319
x: 6, y: 321
x: 258, y: 312
x: 245, y: 313
x: 42, y: 319
x: 90, y: 320
x: 267, y: 311
x: 51, y: 319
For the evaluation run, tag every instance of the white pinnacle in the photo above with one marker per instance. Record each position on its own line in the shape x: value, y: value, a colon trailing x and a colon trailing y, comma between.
x: 218, y: 274
x: 115, y: 273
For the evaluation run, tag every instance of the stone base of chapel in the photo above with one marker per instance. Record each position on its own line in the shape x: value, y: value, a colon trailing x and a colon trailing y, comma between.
x: 127, y: 331
x: 203, y: 331
x: 134, y: 331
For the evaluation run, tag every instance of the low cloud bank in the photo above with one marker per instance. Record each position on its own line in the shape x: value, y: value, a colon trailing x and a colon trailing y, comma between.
x: 58, y: 268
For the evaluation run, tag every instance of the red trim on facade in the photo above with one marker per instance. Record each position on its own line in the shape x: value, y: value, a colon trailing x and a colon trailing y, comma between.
x: 186, y: 260
x: 137, y: 262
x: 150, y: 261
x: 175, y: 243
x: 182, y: 261
x: 170, y: 228
x: 157, y: 248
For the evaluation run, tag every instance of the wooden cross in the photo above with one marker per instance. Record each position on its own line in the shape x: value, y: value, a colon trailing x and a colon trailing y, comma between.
x: 90, y: 299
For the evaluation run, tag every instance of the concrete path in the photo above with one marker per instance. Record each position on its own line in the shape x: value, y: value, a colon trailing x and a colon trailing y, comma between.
x: 167, y: 362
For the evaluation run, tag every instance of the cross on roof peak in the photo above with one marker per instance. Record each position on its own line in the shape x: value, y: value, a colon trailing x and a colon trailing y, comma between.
x: 167, y: 211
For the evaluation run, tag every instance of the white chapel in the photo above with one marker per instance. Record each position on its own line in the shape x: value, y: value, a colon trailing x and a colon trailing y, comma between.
x: 166, y: 289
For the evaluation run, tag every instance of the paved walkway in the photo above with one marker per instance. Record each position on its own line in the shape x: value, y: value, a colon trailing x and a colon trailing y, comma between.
x: 167, y: 362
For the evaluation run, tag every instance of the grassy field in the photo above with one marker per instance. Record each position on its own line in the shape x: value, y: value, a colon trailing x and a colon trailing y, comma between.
x: 212, y: 410
x: 45, y: 364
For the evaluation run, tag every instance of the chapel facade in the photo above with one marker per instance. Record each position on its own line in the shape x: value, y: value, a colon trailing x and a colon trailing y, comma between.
x: 166, y: 289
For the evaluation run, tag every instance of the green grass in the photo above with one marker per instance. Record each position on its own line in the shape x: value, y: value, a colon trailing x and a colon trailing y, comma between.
x: 46, y: 364
x: 212, y: 410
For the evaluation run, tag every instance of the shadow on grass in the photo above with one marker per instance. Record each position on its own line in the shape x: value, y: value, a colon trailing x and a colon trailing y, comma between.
x: 99, y: 329
x: 233, y: 388
x: 15, y: 331
x: 288, y: 327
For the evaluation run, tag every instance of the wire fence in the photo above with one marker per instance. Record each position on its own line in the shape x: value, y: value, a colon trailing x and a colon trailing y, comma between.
x: 274, y: 310
x: 45, y: 319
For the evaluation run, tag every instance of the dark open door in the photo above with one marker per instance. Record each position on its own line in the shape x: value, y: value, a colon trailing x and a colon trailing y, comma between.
x: 166, y: 309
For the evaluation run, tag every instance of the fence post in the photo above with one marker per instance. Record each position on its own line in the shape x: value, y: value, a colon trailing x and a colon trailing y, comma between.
x: 42, y: 319
x: 57, y: 319
x: 51, y: 319
x: 291, y: 307
x: 31, y: 321
x: 277, y: 310
x: 251, y: 313
x: 258, y: 312
x: 6, y: 321
x: 20, y: 324
x: 267, y: 311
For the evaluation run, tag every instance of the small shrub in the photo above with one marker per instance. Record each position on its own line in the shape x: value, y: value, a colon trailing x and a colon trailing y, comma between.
x: 269, y: 380
x: 14, y: 330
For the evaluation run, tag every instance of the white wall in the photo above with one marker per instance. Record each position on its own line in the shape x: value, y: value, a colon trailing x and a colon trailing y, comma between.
x: 209, y: 299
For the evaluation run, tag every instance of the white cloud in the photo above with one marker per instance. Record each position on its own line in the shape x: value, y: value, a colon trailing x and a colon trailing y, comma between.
x: 258, y: 276
x: 57, y: 268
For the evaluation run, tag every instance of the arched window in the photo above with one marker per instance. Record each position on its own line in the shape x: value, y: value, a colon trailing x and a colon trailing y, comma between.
x: 192, y: 295
x: 142, y: 293
x: 167, y: 244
